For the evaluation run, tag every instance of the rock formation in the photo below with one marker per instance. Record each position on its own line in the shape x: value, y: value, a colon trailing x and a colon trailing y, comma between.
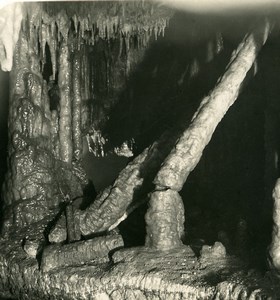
x: 70, y: 66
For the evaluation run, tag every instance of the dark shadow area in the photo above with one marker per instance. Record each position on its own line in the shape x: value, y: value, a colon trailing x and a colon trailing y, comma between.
x: 228, y: 195
x: 176, y: 72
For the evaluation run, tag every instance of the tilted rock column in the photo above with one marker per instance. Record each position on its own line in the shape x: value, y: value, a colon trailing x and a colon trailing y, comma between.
x: 189, y: 148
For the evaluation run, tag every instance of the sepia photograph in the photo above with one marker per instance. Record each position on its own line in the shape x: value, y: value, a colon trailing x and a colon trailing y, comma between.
x: 139, y: 150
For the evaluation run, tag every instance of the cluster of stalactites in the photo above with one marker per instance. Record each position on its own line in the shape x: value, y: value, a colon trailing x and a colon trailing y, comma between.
x: 45, y: 29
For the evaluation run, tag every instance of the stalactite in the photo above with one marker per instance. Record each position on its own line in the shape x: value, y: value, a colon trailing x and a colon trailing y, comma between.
x: 52, y: 42
x: 219, y: 43
x: 75, y: 20
x: 96, y: 142
x: 82, y: 27
x: 92, y: 40
x: 194, y: 68
x: 77, y: 102
x: 63, y: 24
x: 34, y: 24
x: 121, y: 45
x: 43, y: 41
x: 65, y: 120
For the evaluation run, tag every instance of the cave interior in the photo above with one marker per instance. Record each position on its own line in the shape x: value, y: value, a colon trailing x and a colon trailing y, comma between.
x: 106, y: 108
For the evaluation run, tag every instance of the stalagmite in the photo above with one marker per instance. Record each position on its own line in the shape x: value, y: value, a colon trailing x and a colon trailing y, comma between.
x: 165, y: 215
x: 189, y: 147
x: 65, y: 121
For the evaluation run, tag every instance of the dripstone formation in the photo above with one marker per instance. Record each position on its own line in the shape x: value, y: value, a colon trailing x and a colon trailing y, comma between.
x: 71, y: 68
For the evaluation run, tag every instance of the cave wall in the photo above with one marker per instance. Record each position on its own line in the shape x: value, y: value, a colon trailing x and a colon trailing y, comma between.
x: 166, y: 86
x: 69, y: 63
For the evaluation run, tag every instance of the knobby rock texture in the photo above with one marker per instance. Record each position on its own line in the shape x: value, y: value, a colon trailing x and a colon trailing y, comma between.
x: 69, y: 66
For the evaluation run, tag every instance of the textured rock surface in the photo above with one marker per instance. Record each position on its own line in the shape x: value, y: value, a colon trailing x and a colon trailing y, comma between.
x: 29, y: 182
x: 58, y: 233
x: 216, y: 251
x: 37, y: 182
x: 65, y: 120
x: 165, y: 220
x: 79, y: 253
x: 136, y: 274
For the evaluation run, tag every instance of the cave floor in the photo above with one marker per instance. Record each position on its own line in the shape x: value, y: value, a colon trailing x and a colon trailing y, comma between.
x: 134, y: 273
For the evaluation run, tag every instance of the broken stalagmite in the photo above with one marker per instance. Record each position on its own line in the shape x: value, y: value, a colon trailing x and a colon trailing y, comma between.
x: 189, y: 147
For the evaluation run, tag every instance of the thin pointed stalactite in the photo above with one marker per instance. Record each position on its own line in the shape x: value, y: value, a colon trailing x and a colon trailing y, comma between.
x: 189, y: 147
x: 65, y: 120
x: 53, y: 49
